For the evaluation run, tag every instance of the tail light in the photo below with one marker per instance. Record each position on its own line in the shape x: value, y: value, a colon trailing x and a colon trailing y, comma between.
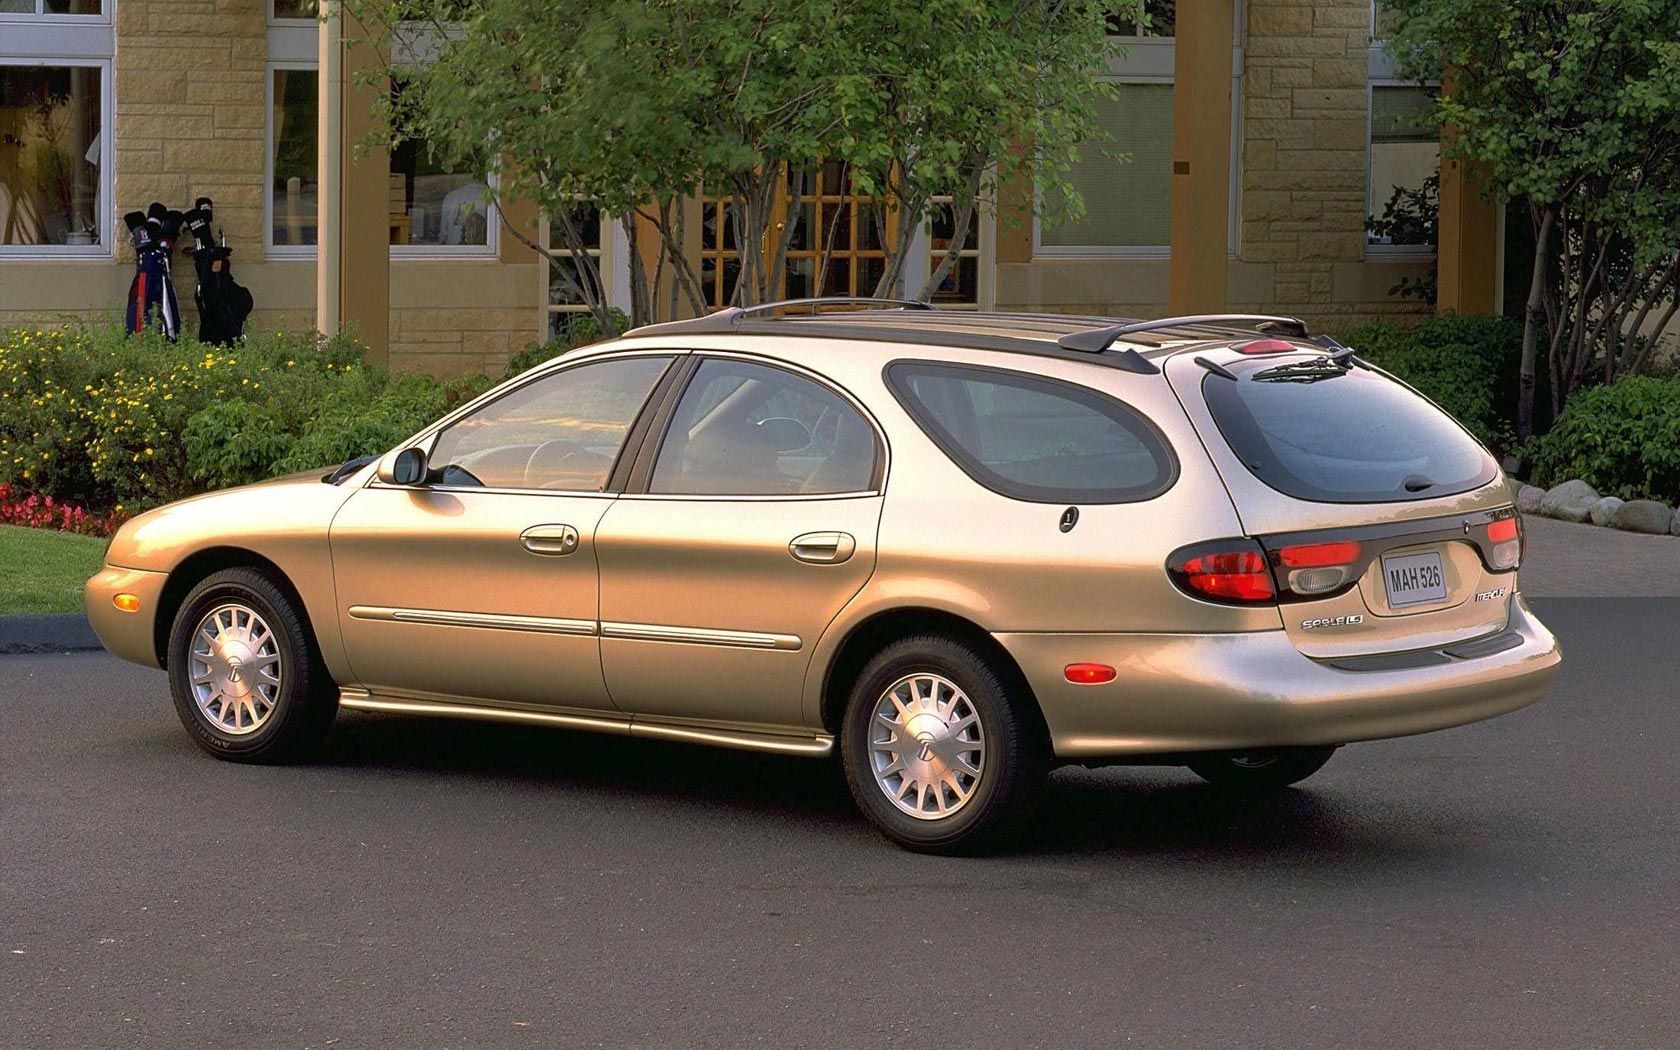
x: 1265, y: 346
x: 1315, y: 570
x: 1232, y: 572
x: 1506, y: 536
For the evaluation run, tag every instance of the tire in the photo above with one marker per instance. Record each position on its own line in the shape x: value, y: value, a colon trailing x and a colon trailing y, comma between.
x: 977, y: 721
x: 263, y: 632
x: 1254, y: 772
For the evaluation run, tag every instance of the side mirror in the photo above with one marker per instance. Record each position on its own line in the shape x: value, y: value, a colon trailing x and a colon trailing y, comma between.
x: 407, y: 467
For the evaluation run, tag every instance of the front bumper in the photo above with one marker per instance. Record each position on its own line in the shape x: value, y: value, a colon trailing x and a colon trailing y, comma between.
x: 1214, y: 692
x: 129, y: 635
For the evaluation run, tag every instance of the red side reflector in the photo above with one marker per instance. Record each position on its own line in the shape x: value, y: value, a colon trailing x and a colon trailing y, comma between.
x: 1502, y: 531
x: 1088, y: 674
x: 1264, y: 346
x: 1315, y: 555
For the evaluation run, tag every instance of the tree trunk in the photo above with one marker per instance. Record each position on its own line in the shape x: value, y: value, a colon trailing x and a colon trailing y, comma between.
x: 1532, y: 315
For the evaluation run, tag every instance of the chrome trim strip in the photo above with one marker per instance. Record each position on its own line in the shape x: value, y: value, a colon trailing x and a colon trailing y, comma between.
x: 493, y: 621
x: 818, y: 744
x: 363, y: 702
x: 648, y: 632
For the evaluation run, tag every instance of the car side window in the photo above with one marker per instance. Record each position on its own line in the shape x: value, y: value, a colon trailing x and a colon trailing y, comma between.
x: 560, y: 432
x: 744, y: 429
x: 1036, y: 439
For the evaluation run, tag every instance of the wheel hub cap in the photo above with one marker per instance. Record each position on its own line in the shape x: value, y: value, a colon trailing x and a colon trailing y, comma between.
x: 926, y: 746
x: 235, y: 669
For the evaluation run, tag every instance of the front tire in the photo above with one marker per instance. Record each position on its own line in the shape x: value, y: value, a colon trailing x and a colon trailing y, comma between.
x: 1257, y: 772
x: 248, y: 683
x: 941, y: 753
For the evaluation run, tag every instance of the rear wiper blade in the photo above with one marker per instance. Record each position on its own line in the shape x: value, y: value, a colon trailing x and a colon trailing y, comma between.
x: 1300, y: 372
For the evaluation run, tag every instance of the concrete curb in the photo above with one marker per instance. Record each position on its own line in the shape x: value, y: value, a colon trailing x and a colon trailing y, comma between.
x: 62, y: 633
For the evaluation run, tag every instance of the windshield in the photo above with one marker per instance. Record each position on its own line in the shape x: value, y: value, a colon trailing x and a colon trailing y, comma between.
x: 1319, y: 432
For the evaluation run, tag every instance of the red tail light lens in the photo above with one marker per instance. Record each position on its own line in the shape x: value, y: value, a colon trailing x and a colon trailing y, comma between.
x: 1318, y: 555
x: 1507, y: 539
x: 1229, y: 571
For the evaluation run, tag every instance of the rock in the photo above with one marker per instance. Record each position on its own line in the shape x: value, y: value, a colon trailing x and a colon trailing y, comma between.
x: 1604, y: 509
x: 1643, y: 515
x: 1529, y: 497
x: 1674, y: 526
x: 1571, y: 501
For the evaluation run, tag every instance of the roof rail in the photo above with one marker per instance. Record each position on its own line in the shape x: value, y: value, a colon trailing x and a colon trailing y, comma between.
x: 1094, y: 340
x: 730, y: 317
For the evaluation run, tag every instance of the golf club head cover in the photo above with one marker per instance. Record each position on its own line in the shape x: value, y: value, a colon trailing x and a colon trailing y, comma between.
x: 203, y: 204
x: 138, y: 230
x: 198, y: 221
x: 159, y: 214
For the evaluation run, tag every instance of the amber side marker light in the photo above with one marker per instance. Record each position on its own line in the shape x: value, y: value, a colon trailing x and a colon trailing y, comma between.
x: 126, y: 602
x: 1088, y: 674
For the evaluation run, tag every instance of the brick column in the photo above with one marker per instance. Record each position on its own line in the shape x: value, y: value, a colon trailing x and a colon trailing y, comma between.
x: 1467, y: 255
x: 1201, y: 157
x: 189, y: 111
x: 1305, y: 136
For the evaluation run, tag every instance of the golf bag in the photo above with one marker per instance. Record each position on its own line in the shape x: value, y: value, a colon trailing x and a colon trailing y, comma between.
x: 151, y: 295
x: 223, y: 303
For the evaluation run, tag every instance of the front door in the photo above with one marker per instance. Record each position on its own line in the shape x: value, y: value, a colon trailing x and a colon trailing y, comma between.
x: 756, y: 526
x: 482, y: 583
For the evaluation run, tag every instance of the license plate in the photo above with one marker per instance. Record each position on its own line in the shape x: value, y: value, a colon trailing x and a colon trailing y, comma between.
x: 1414, y: 579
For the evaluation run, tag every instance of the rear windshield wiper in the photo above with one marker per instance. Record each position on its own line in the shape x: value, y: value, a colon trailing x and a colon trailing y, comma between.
x: 1301, y: 372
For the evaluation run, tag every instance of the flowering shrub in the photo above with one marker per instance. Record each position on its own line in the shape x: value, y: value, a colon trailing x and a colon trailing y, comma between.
x: 44, y: 512
x: 91, y: 417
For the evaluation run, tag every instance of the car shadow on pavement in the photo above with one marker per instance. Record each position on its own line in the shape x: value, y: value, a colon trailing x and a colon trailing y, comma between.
x: 1136, y: 812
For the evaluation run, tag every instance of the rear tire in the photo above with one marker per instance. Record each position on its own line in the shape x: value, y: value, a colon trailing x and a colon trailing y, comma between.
x: 941, y: 752
x: 1255, y: 772
x: 247, y: 680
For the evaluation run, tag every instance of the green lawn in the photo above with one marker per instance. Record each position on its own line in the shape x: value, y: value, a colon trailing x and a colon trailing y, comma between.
x: 42, y: 571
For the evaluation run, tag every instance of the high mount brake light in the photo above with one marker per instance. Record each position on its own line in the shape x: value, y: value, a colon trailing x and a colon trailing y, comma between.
x: 1265, y: 346
x: 1232, y: 572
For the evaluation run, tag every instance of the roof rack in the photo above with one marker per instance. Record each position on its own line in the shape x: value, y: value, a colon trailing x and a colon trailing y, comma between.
x: 1093, y: 340
x: 730, y: 317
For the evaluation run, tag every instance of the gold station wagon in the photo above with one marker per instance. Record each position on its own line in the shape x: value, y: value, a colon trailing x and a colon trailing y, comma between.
x: 958, y: 548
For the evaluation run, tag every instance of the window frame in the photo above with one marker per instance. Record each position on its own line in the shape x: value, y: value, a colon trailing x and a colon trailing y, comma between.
x: 1153, y: 60
x: 641, y: 473
x: 52, y: 41
x: 294, y: 44
x: 1165, y: 455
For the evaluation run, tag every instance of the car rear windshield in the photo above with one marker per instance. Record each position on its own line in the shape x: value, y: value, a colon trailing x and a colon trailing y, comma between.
x: 1317, y: 432
x: 1035, y: 439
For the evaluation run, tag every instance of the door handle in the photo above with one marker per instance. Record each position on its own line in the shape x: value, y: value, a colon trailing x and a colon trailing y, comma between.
x: 823, y: 548
x: 550, y: 539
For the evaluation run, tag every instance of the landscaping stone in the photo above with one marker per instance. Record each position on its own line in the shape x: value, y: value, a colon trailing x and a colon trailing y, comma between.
x: 1604, y: 509
x: 1674, y: 526
x: 1571, y: 501
x: 1529, y: 497
x: 1643, y: 515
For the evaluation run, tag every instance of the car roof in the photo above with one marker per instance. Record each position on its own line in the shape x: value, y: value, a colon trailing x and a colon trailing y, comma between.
x: 1126, y: 343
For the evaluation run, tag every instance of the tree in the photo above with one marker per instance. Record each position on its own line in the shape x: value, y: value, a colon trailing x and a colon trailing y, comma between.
x: 1571, y: 107
x: 636, y: 107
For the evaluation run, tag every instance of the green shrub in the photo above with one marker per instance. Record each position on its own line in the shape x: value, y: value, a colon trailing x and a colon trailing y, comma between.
x: 1465, y: 363
x: 579, y: 330
x: 91, y: 416
x: 1622, y: 439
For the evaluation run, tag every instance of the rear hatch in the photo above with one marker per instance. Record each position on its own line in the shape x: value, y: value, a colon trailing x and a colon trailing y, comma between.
x: 1386, y: 526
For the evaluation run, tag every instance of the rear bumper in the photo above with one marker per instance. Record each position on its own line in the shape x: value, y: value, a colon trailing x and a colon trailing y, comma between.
x: 1181, y: 692
x: 126, y: 634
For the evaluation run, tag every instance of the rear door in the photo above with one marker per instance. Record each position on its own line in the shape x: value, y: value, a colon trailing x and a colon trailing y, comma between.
x: 754, y: 524
x: 1388, y: 527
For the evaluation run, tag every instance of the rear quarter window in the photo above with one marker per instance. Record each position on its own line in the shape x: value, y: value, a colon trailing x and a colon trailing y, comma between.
x: 1329, y: 436
x: 1035, y: 439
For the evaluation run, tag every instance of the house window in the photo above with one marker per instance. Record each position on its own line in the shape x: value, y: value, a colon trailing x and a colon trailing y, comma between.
x: 838, y: 247
x: 566, y: 277
x: 283, y: 9
x: 435, y: 209
x: 293, y: 185
x: 961, y: 284
x: 1405, y: 156
x: 55, y: 120
x: 1127, y: 202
